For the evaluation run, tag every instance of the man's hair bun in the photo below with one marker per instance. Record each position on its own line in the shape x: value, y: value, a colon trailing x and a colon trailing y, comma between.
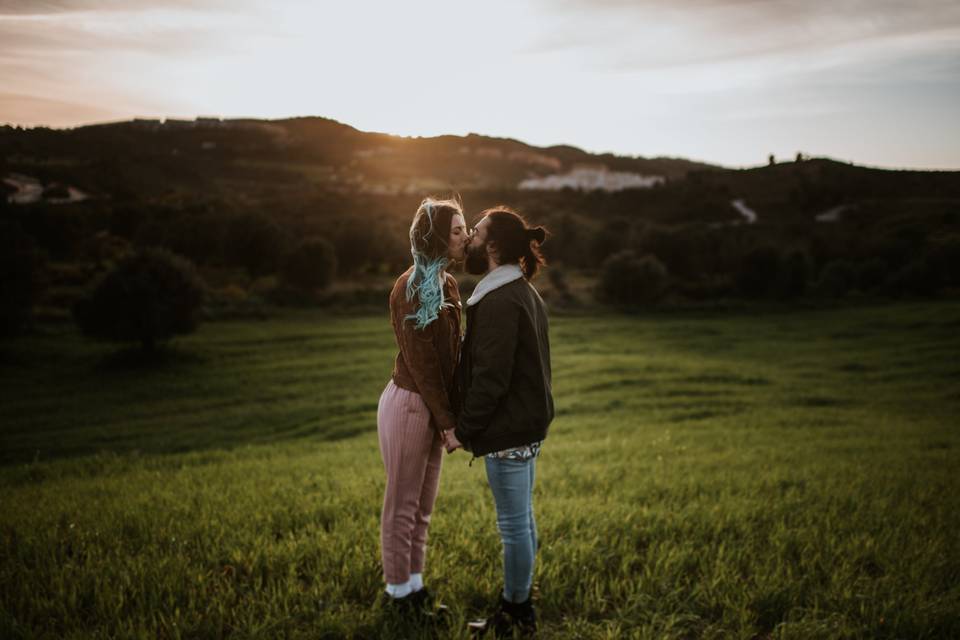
x: 537, y: 233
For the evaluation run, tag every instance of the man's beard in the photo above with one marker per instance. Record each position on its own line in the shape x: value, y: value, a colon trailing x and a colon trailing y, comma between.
x: 476, y: 260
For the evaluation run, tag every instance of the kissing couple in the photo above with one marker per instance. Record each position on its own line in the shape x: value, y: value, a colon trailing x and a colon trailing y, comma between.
x: 486, y: 392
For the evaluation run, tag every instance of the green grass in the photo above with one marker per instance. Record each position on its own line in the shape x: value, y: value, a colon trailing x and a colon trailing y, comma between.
x: 754, y: 476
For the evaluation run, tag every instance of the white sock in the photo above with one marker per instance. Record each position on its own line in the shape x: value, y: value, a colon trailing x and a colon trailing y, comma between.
x: 399, y: 590
x: 416, y: 581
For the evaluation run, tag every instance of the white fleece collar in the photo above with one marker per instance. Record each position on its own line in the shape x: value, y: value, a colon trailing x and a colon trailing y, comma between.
x: 494, y: 280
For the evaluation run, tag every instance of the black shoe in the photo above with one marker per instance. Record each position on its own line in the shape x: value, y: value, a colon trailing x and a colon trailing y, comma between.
x: 508, y: 616
x: 427, y: 603
x: 525, y: 618
x: 404, y: 606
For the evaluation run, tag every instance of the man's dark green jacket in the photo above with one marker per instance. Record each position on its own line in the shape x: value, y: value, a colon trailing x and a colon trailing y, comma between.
x: 503, y: 378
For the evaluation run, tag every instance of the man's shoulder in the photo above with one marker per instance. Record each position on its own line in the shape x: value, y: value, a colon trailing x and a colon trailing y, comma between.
x: 504, y: 296
x: 514, y: 289
x: 518, y: 292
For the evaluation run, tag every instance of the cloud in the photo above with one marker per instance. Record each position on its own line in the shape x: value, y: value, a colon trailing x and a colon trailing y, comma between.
x: 70, y: 61
x: 96, y: 33
x: 638, y: 35
x: 35, y: 8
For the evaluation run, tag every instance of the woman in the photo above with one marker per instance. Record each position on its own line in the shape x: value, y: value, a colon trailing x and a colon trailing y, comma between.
x: 415, y: 407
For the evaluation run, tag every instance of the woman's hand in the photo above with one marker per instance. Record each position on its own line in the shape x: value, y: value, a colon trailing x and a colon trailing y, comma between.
x: 450, y: 441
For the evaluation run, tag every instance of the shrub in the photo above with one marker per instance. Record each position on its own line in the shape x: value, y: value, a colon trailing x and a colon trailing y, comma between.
x: 20, y: 281
x: 945, y: 259
x: 794, y: 274
x: 628, y: 279
x: 871, y: 274
x: 612, y: 238
x: 759, y: 272
x: 836, y: 279
x: 558, y: 279
x: 148, y: 298
x: 254, y: 242
x: 918, y: 277
x: 311, y: 265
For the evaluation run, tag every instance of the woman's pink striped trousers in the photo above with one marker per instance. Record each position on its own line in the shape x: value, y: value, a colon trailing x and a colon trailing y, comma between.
x: 412, y: 455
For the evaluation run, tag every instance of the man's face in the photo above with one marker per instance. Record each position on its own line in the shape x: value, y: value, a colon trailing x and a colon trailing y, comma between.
x: 476, y: 262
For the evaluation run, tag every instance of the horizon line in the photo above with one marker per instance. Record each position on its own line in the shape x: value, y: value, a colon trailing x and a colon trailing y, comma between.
x: 199, y: 117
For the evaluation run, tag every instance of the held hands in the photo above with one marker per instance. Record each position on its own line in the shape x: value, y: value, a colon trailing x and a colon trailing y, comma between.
x: 450, y: 441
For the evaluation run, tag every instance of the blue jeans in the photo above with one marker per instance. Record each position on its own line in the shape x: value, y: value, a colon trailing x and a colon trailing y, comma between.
x: 512, y: 484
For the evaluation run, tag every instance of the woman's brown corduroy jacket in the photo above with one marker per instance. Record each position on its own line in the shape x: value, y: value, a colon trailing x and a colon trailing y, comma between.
x: 428, y: 357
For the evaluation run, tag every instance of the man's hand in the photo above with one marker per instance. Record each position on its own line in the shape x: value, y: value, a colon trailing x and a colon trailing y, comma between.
x: 450, y: 441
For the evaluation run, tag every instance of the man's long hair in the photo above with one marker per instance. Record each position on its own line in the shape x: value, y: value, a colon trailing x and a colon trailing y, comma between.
x: 517, y: 242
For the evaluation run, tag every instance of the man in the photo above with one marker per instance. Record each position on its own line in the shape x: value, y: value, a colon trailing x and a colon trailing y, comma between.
x: 505, y: 401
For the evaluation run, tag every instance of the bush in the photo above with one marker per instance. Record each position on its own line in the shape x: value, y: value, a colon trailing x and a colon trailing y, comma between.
x: 311, y: 265
x: 794, y: 274
x: 917, y: 277
x: 628, y: 279
x: 612, y: 238
x: 836, y: 279
x: 254, y: 242
x: 871, y: 274
x: 199, y: 238
x: 148, y: 298
x: 945, y: 259
x: 365, y: 248
x: 20, y: 281
x: 558, y: 279
x: 759, y: 273
x: 684, y: 250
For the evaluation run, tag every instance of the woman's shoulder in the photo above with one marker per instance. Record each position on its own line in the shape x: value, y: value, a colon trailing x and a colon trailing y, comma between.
x: 401, y: 281
x: 399, y: 292
x: 451, y: 284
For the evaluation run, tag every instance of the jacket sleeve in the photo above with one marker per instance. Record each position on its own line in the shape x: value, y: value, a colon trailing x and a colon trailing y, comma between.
x: 419, y: 353
x: 493, y: 347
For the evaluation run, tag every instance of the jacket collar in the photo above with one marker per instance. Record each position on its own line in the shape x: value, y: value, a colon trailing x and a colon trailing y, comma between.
x: 494, y: 279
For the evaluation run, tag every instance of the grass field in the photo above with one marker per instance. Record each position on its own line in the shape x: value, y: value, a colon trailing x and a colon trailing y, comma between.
x: 776, y: 475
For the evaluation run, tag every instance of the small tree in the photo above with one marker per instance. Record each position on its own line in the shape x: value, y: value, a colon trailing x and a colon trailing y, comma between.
x: 148, y: 298
x: 311, y: 265
x: 628, y: 279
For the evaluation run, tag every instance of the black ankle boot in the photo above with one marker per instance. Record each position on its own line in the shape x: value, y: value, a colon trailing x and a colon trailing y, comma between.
x: 426, y: 602
x: 401, y: 606
x: 524, y: 617
x: 508, y: 616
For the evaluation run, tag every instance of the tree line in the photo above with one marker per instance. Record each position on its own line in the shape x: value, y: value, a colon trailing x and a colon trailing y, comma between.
x: 679, y: 242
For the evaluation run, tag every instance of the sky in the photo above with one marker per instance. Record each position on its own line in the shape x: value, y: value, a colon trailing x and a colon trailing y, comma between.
x: 874, y: 82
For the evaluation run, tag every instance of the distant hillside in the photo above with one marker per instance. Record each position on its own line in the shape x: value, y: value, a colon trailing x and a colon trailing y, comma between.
x: 821, y: 182
x: 151, y: 157
x: 240, y: 197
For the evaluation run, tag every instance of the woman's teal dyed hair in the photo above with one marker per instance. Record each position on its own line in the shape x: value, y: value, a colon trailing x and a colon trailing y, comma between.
x: 429, y: 235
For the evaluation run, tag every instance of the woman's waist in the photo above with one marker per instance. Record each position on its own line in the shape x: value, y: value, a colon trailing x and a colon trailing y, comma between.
x: 404, y: 378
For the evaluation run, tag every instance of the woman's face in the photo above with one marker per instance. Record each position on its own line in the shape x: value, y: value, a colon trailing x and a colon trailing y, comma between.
x: 458, y: 238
